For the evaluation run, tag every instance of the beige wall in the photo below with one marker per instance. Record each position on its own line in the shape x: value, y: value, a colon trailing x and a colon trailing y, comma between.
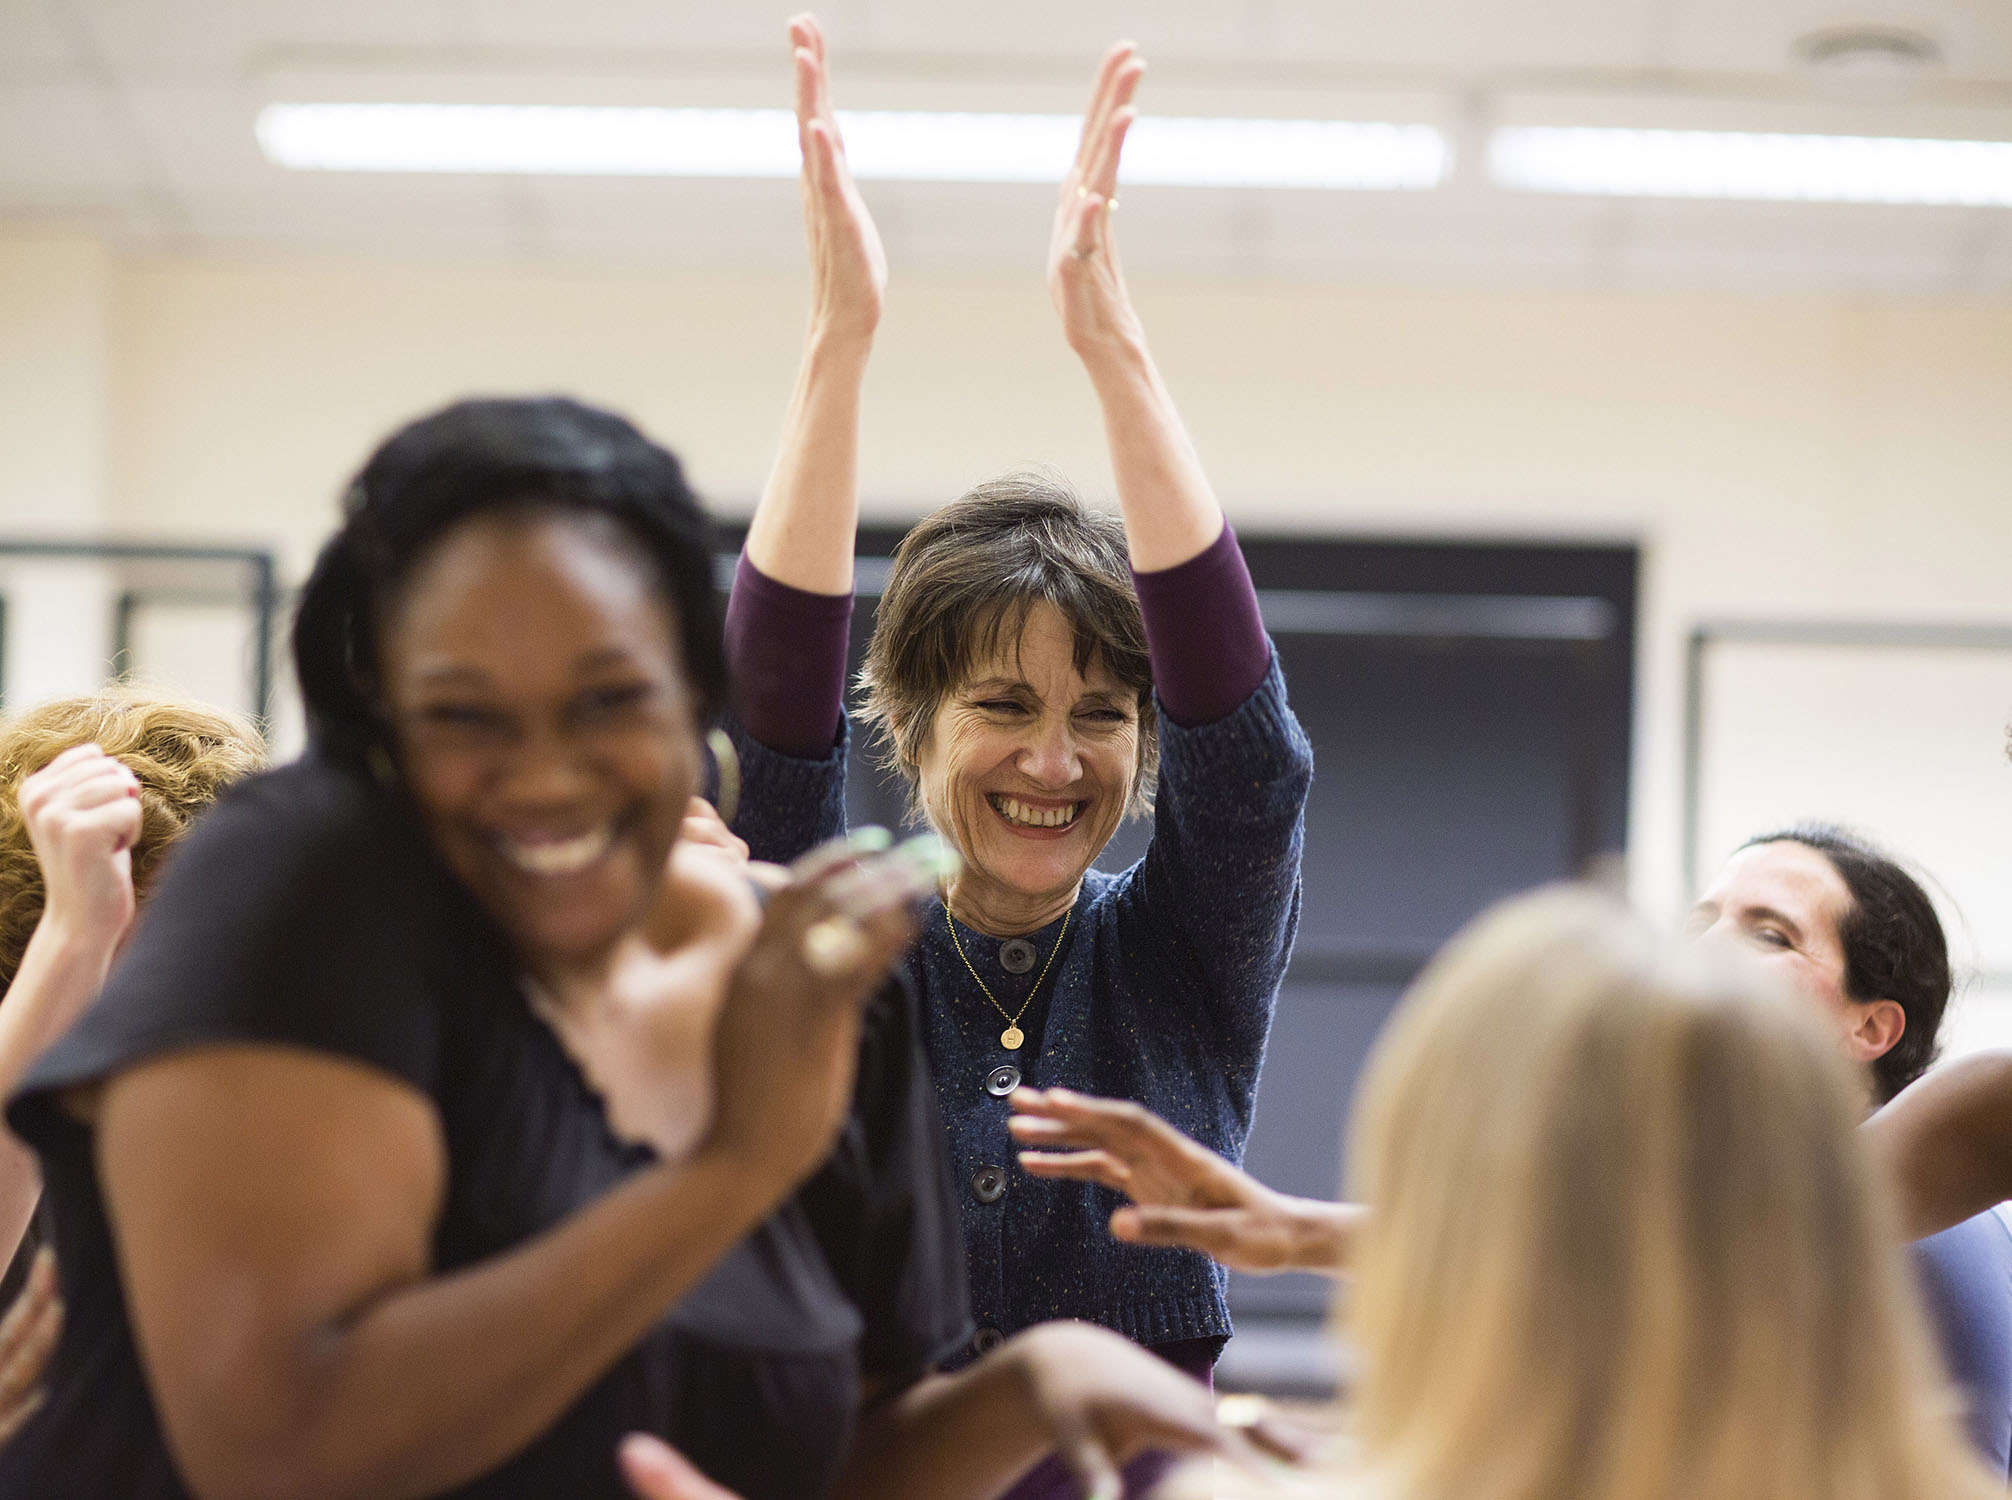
x: 55, y: 451
x: 1776, y: 456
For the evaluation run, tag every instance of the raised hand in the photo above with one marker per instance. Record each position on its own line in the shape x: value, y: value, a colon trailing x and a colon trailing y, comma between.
x: 1084, y: 277
x: 848, y: 265
x: 82, y: 813
x: 787, y: 1036
x: 1183, y: 1194
x: 803, y: 529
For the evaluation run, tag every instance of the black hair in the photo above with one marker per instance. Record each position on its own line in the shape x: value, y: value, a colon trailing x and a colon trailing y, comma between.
x: 1894, y: 947
x: 488, y: 457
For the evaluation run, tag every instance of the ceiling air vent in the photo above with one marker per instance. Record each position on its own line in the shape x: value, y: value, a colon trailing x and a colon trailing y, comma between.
x: 1871, y: 53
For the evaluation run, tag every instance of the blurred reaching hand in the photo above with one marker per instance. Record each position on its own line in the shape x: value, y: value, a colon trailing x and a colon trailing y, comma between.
x: 1183, y: 1194
x: 27, y: 1336
x: 657, y: 1471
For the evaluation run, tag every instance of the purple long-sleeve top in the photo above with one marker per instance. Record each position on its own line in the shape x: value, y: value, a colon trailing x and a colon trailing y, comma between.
x: 1204, y: 636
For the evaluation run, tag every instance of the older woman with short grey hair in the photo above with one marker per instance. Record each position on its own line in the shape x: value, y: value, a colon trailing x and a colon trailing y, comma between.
x: 1038, y: 672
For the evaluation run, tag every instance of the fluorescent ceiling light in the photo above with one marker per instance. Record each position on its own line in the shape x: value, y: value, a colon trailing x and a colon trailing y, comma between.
x: 1736, y: 164
x: 885, y: 144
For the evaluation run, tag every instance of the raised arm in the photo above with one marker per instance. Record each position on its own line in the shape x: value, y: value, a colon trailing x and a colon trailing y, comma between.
x: 1203, y: 629
x: 1183, y: 1194
x: 1171, y: 514
x: 1946, y: 1143
x: 82, y: 814
x: 802, y: 533
x: 788, y: 619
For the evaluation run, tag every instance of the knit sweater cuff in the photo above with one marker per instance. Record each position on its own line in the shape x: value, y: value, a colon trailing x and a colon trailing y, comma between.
x: 1168, y: 1320
x: 789, y: 804
x: 1259, y: 741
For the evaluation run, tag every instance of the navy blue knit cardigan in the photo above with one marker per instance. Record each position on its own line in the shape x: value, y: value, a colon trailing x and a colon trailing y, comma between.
x: 1162, y: 992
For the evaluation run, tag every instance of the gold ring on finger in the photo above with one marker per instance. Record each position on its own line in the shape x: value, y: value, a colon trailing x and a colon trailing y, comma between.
x: 1242, y: 1410
x: 833, y: 946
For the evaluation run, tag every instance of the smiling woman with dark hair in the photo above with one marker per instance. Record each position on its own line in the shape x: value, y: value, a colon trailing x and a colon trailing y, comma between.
x: 1038, y: 672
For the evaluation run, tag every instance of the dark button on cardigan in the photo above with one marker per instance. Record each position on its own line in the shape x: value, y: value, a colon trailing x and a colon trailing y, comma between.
x: 1017, y: 955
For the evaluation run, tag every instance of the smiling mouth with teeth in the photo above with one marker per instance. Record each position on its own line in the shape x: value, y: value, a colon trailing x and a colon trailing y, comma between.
x: 557, y: 856
x: 1021, y: 815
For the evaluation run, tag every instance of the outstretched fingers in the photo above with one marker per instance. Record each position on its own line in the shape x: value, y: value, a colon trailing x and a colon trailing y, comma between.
x: 813, y: 108
x: 1103, y: 99
x: 1100, y: 166
x: 813, y: 82
x: 849, y: 266
x: 823, y: 161
x: 1057, y: 1117
x: 805, y: 32
x: 1099, y: 1167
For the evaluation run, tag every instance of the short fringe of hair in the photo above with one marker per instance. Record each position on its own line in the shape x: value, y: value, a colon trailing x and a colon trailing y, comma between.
x: 964, y: 580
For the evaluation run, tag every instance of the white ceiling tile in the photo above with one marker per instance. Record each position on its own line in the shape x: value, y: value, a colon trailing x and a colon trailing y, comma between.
x: 157, y: 38
x: 1469, y: 36
x: 199, y: 139
x: 1057, y: 29
x: 661, y: 26
x: 59, y: 136
x: 199, y: 135
x: 31, y: 41
x: 192, y: 73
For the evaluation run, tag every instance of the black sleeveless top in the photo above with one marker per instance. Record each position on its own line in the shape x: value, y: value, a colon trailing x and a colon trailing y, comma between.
x: 308, y: 910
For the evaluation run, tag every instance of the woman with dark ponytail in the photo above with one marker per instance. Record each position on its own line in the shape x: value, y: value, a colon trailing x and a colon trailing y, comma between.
x: 450, y: 1116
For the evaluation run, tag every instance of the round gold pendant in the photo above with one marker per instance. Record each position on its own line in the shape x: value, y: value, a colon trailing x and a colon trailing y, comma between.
x: 1011, y: 1038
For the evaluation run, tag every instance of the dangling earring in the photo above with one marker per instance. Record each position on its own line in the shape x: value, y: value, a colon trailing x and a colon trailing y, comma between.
x: 727, y: 767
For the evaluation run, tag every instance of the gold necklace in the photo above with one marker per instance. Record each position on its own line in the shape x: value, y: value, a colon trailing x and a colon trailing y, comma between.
x: 1012, y: 1036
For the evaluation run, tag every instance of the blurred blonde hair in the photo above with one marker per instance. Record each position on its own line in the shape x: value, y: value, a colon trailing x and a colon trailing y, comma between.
x: 1623, y: 1243
x: 184, y: 755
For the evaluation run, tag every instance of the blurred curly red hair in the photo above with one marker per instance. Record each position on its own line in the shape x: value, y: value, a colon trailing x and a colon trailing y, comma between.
x: 184, y: 755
